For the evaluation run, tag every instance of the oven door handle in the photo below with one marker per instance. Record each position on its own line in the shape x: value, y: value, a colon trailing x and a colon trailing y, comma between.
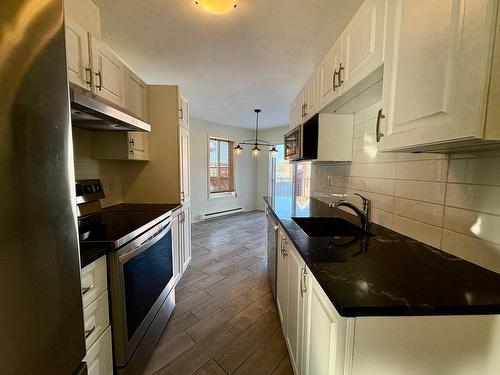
x: 146, y: 244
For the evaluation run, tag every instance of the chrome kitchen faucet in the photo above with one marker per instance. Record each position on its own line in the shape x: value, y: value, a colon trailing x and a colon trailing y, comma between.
x: 363, y: 214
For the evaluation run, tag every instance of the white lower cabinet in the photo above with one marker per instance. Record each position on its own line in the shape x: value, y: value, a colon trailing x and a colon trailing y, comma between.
x: 99, y: 357
x: 322, y: 342
x: 324, y: 333
x: 295, y: 304
x: 282, y: 281
x: 181, y: 240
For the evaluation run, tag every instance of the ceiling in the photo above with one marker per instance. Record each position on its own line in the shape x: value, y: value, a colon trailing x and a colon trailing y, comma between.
x: 256, y: 56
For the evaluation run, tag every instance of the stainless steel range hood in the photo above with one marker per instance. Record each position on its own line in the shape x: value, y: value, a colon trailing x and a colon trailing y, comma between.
x: 92, y: 113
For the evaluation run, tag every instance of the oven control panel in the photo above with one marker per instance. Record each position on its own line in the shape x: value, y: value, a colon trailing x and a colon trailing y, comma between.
x: 88, y: 191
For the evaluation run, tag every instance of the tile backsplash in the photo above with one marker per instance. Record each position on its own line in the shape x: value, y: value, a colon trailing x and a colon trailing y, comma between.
x: 451, y: 202
x: 108, y: 171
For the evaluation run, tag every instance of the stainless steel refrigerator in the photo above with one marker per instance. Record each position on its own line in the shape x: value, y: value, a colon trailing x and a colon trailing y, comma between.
x: 41, y: 322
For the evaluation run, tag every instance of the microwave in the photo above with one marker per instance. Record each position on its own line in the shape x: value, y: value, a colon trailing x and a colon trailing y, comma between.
x: 301, y: 143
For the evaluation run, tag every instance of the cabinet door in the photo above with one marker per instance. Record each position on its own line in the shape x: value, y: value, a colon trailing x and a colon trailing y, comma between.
x: 185, y: 168
x: 183, y: 111
x: 281, y: 282
x: 324, y: 333
x: 294, y: 315
x: 109, y: 73
x: 312, y: 97
x: 294, y: 111
x: 186, y: 223
x: 363, y: 44
x: 328, y: 75
x: 435, y: 71
x: 136, y: 95
x: 176, y: 247
x: 138, y: 146
x: 99, y: 357
x: 77, y: 54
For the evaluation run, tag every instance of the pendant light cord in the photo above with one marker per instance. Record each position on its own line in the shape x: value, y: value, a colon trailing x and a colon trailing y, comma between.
x: 257, y: 128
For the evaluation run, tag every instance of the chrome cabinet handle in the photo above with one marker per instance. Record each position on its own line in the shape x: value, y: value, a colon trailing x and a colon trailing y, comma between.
x: 88, y: 332
x: 182, y: 196
x: 335, y: 74
x: 99, y: 86
x: 303, y: 288
x: 305, y: 110
x: 89, y: 80
x: 181, y: 114
x: 341, y: 69
x: 380, y: 116
x: 86, y: 289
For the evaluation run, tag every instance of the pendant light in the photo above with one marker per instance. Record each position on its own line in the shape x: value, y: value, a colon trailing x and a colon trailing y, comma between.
x: 256, y: 142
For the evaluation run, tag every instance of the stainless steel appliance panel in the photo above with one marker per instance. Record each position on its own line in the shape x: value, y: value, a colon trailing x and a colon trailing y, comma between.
x: 41, y: 318
x: 293, y: 144
x: 141, y: 279
x: 271, y: 248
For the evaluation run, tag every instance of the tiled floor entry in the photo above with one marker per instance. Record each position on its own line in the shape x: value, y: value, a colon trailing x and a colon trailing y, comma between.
x: 225, y: 320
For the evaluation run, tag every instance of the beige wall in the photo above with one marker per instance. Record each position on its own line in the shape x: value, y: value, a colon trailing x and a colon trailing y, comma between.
x: 108, y: 171
x: 245, y: 167
x: 451, y: 202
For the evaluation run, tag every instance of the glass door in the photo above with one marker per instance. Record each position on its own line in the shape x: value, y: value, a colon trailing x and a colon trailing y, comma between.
x: 281, y: 181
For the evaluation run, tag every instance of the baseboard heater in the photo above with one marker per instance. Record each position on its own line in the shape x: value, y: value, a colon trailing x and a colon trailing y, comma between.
x: 221, y: 213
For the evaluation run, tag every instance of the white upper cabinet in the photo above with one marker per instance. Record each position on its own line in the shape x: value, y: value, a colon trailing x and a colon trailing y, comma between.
x: 295, y: 305
x: 328, y: 75
x: 185, y: 167
x: 183, y: 111
x: 77, y: 55
x: 109, y: 73
x: 136, y: 95
x: 362, y: 44
x: 437, y: 67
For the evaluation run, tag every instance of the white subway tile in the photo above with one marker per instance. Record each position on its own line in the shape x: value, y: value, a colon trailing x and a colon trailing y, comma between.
x: 423, y: 170
x: 379, y: 170
x: 432, y: 192
x: 480, y: 252
x: 482, y: 171
x: 383, y: 218
x: 474, y: 197
x: 475, y: 224
x: 422, y: 232
x: 421, y: 211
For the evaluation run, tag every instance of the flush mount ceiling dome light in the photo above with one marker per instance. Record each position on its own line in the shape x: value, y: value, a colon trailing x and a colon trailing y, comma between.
x: 217, y: 6
x: 256, y: 142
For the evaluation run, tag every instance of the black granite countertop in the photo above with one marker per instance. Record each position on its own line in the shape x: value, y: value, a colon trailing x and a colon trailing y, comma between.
x: 99, y: 233
x: 386, y: 273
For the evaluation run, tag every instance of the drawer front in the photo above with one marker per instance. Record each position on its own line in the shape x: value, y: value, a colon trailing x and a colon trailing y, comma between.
x: 94, y: 280
x: 96, y: 319
x: 99, y: 357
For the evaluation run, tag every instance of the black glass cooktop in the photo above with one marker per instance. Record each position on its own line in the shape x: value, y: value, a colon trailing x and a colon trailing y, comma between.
x: 118, y: 224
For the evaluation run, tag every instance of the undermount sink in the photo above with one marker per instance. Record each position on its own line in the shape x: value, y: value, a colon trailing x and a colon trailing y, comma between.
x: 328, y: 227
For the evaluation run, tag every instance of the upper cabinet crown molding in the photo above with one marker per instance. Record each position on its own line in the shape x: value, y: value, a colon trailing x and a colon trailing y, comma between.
x: 438, y: 62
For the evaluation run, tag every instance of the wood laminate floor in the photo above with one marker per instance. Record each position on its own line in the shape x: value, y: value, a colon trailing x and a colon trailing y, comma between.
x: 225, y: 320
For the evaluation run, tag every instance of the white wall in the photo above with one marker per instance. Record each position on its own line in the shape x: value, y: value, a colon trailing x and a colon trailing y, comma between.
x: 245, y: 169
x: 272, y: 135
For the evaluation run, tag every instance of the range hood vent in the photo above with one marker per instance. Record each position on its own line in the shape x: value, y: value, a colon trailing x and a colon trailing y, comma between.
x: 92, y: 113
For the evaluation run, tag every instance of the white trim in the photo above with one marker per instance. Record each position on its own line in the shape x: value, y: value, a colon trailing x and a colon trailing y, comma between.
x: 211, y: 196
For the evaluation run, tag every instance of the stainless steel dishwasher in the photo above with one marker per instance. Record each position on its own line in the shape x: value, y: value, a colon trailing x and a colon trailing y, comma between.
x: 271, y: 248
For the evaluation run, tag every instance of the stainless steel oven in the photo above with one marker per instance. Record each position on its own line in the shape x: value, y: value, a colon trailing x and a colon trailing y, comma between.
x: 142, y: 295
x: 293, y: 144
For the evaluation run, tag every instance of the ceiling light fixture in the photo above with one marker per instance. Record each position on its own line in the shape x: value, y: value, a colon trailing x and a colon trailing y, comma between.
x: 256, y: 142
x: 217, y: 6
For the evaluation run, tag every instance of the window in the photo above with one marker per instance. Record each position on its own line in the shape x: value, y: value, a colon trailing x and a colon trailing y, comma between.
x: 220, y: 167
